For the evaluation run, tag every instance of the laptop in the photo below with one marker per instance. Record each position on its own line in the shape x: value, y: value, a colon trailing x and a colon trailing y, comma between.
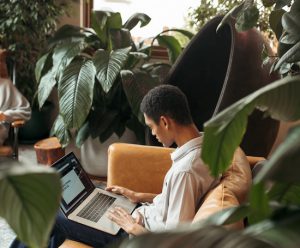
x: 82, y: 202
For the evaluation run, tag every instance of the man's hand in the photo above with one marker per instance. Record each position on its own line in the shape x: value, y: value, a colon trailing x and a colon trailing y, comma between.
x: 131, y: 195
x: 126, y: 221
x: 2, y: 116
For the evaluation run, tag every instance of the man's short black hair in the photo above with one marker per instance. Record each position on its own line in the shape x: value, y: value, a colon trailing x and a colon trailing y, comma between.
x: 167, y: 100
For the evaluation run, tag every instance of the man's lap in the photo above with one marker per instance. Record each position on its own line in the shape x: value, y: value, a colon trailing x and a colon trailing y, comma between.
x: 67, y: 229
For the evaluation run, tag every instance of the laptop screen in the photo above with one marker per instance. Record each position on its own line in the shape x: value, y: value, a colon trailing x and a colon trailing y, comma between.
x: 76, y: 184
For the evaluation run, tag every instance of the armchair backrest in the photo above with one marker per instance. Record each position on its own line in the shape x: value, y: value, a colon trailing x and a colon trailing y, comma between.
x: 231, y: 191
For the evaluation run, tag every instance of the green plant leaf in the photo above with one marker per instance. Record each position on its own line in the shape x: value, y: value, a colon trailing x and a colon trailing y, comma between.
x: 108, y: 66
x: 135, y: 19
x: 291, y: 19
x: 45, y: 87
x: 75, y: 91
x: 282, y: 165
x: 82, y: 134
x: 101, y: 121
x: 64, y: 53
x: 281, y: 3
x: 110, y: 129
x: 60, y: 131
x: 259, y: 204
x: 268, y: 3
x: 137, y: 127
x: 247, y: 18
x: 114, y: 21
x: 285, y: 193
x: 159, y: 71
x: 282, y: 230
x: 121, y: 38
x: 172, y: 44
x: 29, y: 199
x: 292, y: 55
x: 39, y: 66
x: 65, y: 33
x: 227, y: 216
x: 184, y: 32
x: 136, y: 85
x: 62, y: 56
x: 233, y: 13
x: 134, y: 58
x: 99, y: 20
x: 224, y: 132
x: 289, y: 39
x: 193, y: 236
x: 275, y: 22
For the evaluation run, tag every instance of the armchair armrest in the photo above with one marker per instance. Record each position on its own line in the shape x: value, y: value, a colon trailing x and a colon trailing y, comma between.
x: 18, y: 123
x: 138, y: 167
x: 13, y: 149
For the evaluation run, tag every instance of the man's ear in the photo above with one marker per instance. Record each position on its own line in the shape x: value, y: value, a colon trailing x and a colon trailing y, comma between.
x: 165, y: 121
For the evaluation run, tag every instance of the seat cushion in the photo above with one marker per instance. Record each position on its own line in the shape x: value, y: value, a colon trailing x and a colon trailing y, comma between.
x: 231, y: 191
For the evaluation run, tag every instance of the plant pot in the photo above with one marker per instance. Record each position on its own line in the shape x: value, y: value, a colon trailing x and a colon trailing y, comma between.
x: 38, y: 127
x: 217, y: 69
x: 94, y: 154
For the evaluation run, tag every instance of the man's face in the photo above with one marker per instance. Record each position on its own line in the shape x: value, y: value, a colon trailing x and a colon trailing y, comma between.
x: 160, y: 130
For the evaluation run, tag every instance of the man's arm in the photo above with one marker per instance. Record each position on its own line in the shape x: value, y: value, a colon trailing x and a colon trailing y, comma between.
x: 133, y: 196
x: 13, y: 104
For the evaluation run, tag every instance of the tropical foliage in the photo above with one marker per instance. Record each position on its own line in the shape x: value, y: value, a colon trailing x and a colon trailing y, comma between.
x: 30, y: 199
x: 200, y: 15
x: 273, y: 209
x: 101, y: 76
x: 24, y: 28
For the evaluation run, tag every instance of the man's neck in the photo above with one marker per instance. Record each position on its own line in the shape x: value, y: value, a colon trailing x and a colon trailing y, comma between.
x: 186, y: 133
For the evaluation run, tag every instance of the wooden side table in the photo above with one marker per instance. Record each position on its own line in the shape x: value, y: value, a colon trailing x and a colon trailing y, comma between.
x: 48, y: 150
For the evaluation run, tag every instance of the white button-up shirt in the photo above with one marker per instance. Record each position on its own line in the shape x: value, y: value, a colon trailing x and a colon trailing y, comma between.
x: 184, y: 185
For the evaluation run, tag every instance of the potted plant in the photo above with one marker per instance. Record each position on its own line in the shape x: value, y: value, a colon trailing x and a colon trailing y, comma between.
x: 100, y: 76
x: 24, y: 28
x: 273, y: 208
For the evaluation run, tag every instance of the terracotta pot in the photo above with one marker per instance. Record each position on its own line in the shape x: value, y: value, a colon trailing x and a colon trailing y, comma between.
x: 217, y: 69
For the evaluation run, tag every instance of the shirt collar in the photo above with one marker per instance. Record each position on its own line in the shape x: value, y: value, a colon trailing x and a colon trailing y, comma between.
x: 186, y: 148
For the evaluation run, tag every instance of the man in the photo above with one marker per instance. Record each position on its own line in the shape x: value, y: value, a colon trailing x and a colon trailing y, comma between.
x: 13, y: 106
x: 167, y: 114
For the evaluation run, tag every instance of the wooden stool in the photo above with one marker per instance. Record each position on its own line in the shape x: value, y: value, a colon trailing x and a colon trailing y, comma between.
x: 48, y: 151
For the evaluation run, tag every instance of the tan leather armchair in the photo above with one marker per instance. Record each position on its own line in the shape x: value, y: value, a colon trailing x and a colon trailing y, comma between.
x: 12, y: 148
x: 142, y: 169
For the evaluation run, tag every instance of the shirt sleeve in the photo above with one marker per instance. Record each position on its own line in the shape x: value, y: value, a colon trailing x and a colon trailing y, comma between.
x: 182, y: 199
x: 13, y: 104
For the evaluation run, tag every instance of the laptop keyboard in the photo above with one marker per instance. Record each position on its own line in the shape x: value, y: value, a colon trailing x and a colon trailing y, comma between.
x: 95, y: 209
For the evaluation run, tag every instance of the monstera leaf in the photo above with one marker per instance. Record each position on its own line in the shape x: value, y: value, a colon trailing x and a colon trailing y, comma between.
x: 29, y: 199
x: 224, y: 132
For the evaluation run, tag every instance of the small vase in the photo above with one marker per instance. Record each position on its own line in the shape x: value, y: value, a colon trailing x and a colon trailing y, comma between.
x: 94, y: 154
